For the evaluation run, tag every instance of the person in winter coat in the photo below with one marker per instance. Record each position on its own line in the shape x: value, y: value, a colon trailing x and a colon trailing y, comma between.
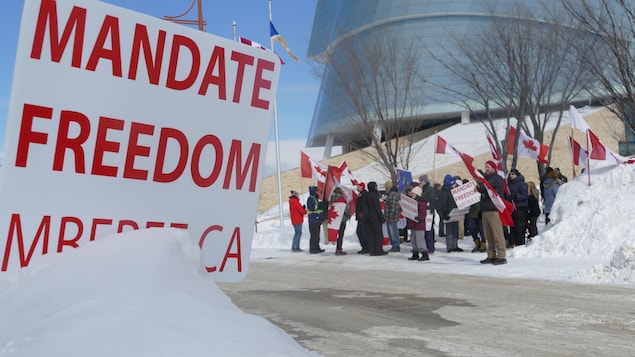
x: 429, y: 195
x: 418, y: 227
x: 338, y: 196
x: 474, y: 224
x: 533, y: 208
x: 447, y: 205
x: 392, y: 210
x: 315, y: 208
x: 437, y: 207
x: 519, y: 194
x: 297, y: 212
x: 375, y: 220
x: 492, y: 225
x: 361, y: 214
x: 551, y: 183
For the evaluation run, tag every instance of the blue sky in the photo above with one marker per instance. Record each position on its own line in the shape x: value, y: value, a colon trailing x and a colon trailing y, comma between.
x: 297, y: 89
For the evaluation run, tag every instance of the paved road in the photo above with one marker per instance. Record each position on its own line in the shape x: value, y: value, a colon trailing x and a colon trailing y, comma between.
x: 385, y: 313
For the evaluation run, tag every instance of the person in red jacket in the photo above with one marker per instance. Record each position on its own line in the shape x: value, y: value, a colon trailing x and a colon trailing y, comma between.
x: 297, y: 212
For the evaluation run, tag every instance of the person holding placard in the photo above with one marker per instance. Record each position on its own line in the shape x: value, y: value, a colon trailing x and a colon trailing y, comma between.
x: 418, y: 227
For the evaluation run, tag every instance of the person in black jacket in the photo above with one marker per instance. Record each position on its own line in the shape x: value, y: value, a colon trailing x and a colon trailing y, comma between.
x: 361, y: 214
x: 519, y: 195
x: 375, y: 220
x: 492, y: 225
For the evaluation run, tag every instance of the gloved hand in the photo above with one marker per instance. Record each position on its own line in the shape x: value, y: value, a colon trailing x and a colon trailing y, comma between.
x: 446, y: 218
x: 304, y: 206
x: 418, y: 218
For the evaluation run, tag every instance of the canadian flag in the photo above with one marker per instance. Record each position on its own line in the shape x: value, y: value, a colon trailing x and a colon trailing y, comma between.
x: 443, y: 147
x: 598, y: 150
x: 497, y: 159
x: 580, y: 154
x: 504, y: 207
x: 334, y: 216
x: 348, y: 174
x: 312, y: 169
x: 527, y: 146
x: 577, y: 122
x: 257, y: 45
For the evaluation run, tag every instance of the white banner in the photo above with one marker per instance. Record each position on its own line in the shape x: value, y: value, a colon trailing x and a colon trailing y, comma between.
x: 122, y: 121
x: 409, y: 208
x: 466, y: 195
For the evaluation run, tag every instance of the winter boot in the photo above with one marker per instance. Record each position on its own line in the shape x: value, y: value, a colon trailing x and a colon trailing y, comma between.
x: 477, y: 245
x: 415, y: 256
x: 424, y: 256
x: 483, y: 247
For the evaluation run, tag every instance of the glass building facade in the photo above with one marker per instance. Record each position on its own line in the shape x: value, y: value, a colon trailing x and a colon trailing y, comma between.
x: 435, y: 23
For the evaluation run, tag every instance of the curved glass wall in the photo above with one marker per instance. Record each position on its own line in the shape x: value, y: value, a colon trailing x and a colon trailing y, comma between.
x: 435, y: 23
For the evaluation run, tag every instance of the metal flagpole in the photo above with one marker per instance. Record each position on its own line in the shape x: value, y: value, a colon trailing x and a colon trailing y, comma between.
x: 275, y: 125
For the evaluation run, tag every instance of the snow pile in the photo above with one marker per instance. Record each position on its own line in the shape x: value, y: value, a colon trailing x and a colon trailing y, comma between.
x: 592, y: 221
x: 140, y: 293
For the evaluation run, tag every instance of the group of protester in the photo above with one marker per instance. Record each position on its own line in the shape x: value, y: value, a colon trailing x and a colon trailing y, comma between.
x: 482, y: 222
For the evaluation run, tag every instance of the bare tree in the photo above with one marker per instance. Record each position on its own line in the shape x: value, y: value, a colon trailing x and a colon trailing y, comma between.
x: 519, y: 66
x: 375, y: 80
x: 609, y: 51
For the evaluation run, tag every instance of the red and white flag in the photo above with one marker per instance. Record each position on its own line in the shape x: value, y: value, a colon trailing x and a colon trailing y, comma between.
x: 498, y: 160
x: 334, y: 215
x: 577, y: 122
x: 348, y: 174
x: 504, y: 207
x: 601, y: 153
x: 580, y: 154
x: 527, y: 146
x: 443, y: 147
x: 495, y: 155
x: 257, y: 45
x: 598, y: 150
x: 312, y: 169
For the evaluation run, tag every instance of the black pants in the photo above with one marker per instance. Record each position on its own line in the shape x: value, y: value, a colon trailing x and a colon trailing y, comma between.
x: 517, y: 233
x: 376, y: 238
x: 362, y: 234
x: 314, y: 240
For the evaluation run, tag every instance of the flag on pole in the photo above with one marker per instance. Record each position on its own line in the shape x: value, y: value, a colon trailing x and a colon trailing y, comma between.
x: 443, y: 147
x: 598, y: 150
x: 498, y: 160
x: 276, y: 37
x: 257, y: 45
x: 348, y: 174
x: 312, y: 169
x: 577, y: 122
x: 580, y: 154
x: 527, y: 146
x: 504, y: 207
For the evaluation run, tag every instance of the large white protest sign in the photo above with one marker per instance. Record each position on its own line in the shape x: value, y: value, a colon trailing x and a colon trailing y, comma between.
x: 409, y: 207
x: 466, y: 195
x: 122, y: 121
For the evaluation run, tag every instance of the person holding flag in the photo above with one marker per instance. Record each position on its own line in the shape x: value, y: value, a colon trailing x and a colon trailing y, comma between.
x: 492, y: 225
x: 315, y: 208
